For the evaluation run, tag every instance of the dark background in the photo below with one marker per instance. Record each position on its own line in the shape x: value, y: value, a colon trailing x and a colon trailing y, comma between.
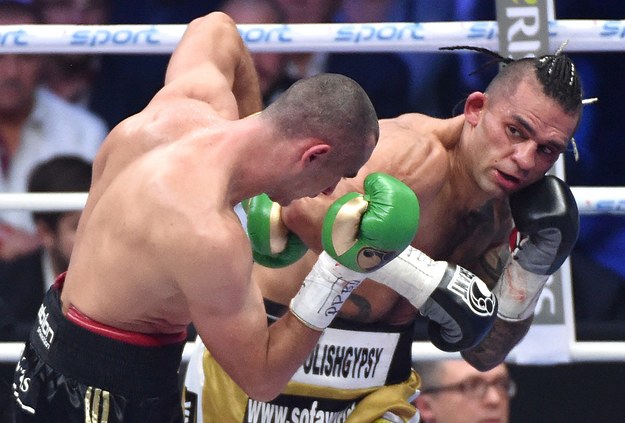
x: 571, y: 393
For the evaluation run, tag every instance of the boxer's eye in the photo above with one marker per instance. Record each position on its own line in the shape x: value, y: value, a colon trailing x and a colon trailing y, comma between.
x: 513, y: 130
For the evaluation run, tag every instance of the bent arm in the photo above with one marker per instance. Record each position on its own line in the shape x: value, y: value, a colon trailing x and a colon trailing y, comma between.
x: 212, y: 64
x: 228, y: 312
x: 504, y: 335
x: 489, y: 266
x: 494, y: 349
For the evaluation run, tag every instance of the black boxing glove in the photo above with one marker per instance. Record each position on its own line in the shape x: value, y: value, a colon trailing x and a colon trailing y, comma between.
x: 547, y: 225
x: 459, y: 305
x: 461, y: 310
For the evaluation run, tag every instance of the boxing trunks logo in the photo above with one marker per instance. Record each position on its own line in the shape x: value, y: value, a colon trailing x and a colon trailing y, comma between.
x: 45, y: 331
x: 25, y: 388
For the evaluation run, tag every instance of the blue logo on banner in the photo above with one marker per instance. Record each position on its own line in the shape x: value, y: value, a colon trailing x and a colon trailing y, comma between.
x: 613, y: 28
x: 606, y: 206
x: 482, y: 30
x: 393, y: 32
x: 102, y: 37
x: 280, y: 34
x: 13, y: 38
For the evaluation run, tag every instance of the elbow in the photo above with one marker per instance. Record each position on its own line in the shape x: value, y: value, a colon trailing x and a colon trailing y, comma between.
x: 480, y: 365
x: 213, y: 17
x: 260, y: 383
x: 219, y: 21
x: 481, y: 362
x: 262, y: 391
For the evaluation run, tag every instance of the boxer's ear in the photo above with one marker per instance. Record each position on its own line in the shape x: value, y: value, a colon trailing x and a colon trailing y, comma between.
x: 314, y: 152
x: 473, y: 107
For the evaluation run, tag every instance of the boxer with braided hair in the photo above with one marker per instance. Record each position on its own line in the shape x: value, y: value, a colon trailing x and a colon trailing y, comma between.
x: 555, y: 72
x: 468, y: 171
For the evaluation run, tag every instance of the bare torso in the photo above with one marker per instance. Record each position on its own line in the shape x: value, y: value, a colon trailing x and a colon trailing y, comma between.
x: 119, y: 257
x: 419, y: 151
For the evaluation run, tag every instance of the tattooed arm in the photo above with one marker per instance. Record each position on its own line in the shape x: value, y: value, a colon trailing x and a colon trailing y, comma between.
x: 497, y: 345
x: 504, y: 335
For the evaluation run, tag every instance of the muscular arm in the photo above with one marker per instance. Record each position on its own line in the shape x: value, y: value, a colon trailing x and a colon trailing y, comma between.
x: 504, y: 335
x: 212, y: 64
x: 491, y: 224
x: 493, y: 350
x: 229, y: 315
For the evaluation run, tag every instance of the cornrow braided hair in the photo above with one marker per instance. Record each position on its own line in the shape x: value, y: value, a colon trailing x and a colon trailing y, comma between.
x: 555, y: 72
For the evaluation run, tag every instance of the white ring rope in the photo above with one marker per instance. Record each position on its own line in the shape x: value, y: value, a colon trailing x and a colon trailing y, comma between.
x: 590, y: 200
x: 48, y: 201
x: 580, y: 351
x: 582, y: 36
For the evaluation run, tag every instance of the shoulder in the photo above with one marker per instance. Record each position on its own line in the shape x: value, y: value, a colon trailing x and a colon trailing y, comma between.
x: 413, y: 129
x: 411, y: 149
x: 409, y: 139
x: 204, y: 92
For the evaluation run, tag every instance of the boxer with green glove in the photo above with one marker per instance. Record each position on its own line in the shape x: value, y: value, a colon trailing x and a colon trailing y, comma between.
x: 273, y: 245
x: 361, y: 233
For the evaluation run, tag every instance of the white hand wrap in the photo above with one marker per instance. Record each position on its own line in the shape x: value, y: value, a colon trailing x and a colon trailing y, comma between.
x: 323, y: 292
x: 517, y: 291
x: 412, y: 274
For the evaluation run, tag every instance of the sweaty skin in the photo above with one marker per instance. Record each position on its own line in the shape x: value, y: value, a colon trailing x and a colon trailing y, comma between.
x: 462, y: 170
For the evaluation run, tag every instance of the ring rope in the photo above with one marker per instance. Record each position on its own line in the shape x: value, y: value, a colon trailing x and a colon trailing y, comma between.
x: 44, y: 201
x: 590, y: 200
x: 582, y: 36
x: 580, y: 351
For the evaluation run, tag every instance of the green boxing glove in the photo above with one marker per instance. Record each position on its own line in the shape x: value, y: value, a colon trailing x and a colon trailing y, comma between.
x: 273, y: 245
x: 361, y: 233
x: 364, y: 232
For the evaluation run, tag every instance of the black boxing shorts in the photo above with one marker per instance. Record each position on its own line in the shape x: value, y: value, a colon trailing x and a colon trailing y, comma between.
x: 68, y: 373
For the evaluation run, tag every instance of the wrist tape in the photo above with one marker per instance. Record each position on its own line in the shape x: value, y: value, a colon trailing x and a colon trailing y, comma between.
x: 412, y: 274
x: 517, y: 291
x: 325, y: 289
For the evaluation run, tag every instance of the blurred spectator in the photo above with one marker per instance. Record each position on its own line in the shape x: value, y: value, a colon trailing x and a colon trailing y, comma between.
x: 440, y: 82
x: 270, y: 66
x: 71, y: 76
x: 452, y: 391
x: 34, y: 126
x: 302, y: 65
x: 24, y: 281
x: 384, y: 76
x: 127, y: 82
